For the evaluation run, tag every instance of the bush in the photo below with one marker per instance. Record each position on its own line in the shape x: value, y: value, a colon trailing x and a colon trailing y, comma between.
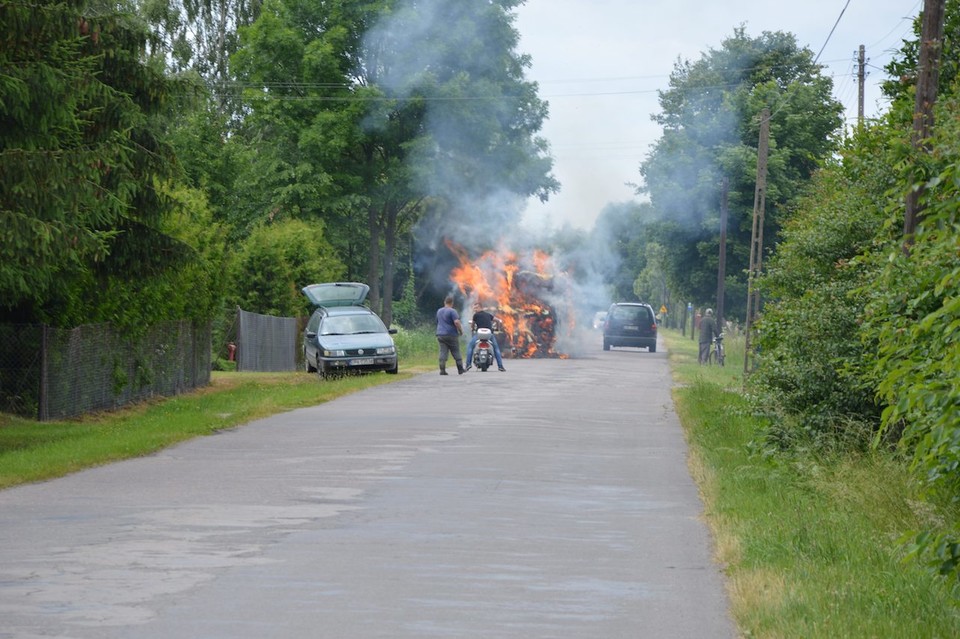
x: 277, y: 261
x: 914, y: 319
x: 814, y: 370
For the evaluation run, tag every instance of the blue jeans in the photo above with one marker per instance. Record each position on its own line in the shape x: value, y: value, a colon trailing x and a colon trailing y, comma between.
x: 496, y: 350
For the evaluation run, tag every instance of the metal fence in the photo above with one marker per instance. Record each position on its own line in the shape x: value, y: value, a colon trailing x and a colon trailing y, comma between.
x: 48, y: 373
x: 267, y: 343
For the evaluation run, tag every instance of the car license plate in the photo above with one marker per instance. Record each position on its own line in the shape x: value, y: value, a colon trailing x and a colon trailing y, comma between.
x: 362, y: 361
x: 631, y: 327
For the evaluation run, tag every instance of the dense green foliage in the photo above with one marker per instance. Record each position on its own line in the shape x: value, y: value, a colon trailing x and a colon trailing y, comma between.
x: 860, y: 338
x: 385, y: 113
x: 278, y: 260
x: 813, y: 369
x: 328, y: 114
x: 81, y: 156
x: 913, y: 316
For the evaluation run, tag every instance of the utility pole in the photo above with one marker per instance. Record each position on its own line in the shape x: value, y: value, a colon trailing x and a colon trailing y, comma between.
x: 861, y: 79
x: 722, y: 268
x: 928, y: 80
x: 756, y: 244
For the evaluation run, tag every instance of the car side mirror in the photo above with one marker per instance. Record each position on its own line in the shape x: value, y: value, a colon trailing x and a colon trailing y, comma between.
x: 392, y: 331
x: 311, y: 334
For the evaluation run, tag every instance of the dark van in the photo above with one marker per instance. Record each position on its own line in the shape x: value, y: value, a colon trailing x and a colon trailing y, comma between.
x: 630, y: 324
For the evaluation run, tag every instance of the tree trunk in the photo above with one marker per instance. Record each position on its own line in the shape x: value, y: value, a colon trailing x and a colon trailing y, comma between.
x: 373, y: 268
x: 928, y: 82
x: 389, y: 264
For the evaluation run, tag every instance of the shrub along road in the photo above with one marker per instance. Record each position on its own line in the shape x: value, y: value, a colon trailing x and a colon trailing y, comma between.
x: 550, y: 500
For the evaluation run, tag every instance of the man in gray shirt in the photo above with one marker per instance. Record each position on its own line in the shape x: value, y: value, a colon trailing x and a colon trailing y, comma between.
x: 449, y: 331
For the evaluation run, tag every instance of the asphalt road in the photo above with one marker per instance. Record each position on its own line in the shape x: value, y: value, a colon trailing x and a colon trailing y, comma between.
x: 552, y: 500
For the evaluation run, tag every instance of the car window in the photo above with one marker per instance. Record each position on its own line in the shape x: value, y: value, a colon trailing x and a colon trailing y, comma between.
x: 368, y: 324
x: 352, y: 324
x: 627, y: 313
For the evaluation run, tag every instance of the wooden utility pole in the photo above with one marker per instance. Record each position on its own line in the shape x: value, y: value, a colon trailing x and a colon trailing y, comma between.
x: 722, y: 267
x: 928, y: 80
x: 756, y: 244
x: 861, y: 80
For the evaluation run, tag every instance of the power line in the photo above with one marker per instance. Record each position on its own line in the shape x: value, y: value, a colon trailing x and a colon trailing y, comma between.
x: 897, y: 26
x: 830, y: 35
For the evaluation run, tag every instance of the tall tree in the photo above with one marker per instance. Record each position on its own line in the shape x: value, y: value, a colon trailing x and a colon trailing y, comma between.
x: 475, y: 152
x: 80, y: 153
x: 199, y: 36
x: 375, y: 108
x: 710, y: 130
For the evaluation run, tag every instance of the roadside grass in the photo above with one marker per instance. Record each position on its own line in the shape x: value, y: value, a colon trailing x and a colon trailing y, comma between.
x: 417, y: 348
x: 810, y: 546
x: 33, y: 451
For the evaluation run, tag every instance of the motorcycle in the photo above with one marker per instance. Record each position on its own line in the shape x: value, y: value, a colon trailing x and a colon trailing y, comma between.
x: 483, y: 351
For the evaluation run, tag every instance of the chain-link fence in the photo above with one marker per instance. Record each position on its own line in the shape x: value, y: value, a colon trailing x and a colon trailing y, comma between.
x: 267, y: 343
x: 50, y: 373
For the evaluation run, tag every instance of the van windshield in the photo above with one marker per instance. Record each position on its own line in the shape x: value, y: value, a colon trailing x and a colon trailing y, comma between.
x: 352, y: 324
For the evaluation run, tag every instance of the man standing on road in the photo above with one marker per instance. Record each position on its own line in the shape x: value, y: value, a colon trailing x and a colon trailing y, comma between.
x: 482, y: 319
x: 708, y: 330
x: 449, y: 331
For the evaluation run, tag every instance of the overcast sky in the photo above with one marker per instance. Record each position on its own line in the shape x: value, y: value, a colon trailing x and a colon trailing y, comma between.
x: 600, y: 63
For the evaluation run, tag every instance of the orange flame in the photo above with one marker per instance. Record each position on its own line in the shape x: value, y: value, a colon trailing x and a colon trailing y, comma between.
x: 515, y: 287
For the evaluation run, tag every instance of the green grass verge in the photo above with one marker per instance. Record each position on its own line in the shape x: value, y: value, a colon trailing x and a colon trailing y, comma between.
x: 34, y: 451
x: 810, y: 546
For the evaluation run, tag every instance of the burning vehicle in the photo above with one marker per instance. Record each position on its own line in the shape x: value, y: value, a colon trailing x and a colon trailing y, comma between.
x: 525, y: 292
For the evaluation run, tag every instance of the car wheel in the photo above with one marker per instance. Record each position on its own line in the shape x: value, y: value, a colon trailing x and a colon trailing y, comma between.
x: 606, y: 345
x: 307, y: 365
x: 653, y: 348
x: 394, y: 370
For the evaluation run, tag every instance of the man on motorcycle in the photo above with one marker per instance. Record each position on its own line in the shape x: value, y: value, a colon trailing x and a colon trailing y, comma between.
x: 483, y: 319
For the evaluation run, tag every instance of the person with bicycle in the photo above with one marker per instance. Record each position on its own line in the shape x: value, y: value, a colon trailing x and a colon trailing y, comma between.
x: 708, y: 330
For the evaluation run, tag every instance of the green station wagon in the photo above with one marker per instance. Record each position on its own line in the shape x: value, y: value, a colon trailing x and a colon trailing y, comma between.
x: 344, y: 336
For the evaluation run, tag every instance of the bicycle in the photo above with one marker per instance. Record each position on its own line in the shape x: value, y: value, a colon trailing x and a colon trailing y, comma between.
x: 717, y: 354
